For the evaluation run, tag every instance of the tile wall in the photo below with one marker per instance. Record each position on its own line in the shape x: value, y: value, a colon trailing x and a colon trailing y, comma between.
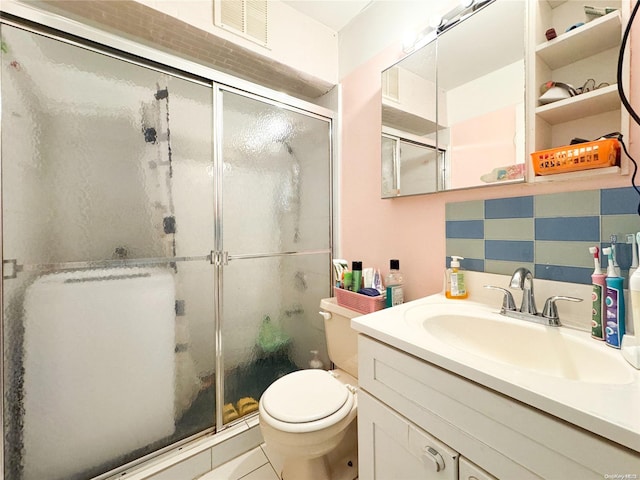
x: 549, y: 234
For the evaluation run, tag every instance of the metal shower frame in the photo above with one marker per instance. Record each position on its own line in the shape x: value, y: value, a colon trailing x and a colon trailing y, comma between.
x: 75, y: 33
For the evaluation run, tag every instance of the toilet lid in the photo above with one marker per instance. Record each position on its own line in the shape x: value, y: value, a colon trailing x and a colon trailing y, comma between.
x: 304, y: 396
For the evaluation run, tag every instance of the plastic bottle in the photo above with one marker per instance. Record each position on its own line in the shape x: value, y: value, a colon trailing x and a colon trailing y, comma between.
x: 315, y: 362
x: 631, y: 345
x: 615, y: 321
x: 394, y: 283
x: 598, y: 294
x: 347, y: 280
x: 356, y: 268
x: 456, y: 287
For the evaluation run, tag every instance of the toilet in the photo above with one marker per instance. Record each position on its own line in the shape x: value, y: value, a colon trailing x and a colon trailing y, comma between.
x: 309, y: 416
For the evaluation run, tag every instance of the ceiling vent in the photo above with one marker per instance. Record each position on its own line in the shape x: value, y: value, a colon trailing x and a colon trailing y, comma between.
x: 247, y: 18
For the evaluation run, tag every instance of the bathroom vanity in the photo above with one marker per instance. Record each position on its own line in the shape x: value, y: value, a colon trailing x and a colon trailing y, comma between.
x: 441, y: 398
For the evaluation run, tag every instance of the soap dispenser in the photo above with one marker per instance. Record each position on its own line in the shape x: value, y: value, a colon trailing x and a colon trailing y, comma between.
x: 456, y: 287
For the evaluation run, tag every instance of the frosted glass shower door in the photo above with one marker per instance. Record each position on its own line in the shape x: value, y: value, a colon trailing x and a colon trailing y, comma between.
x: 276, y: 230
x: 107, y: 224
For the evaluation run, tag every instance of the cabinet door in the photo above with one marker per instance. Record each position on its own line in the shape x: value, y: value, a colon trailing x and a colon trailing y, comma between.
x: 470, y: 471
x: 392, y: 447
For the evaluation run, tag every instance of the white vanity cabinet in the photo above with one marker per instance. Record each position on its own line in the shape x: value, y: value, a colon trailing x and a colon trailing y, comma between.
x: 403, y: 399
x: 470, y: 471
x: 397, y: 449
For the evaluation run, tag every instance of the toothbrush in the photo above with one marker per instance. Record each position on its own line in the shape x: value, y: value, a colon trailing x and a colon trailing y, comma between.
x: 611, y: 269
x: 595, y: 251
x: 614, y: 327
x: 616, y: 267
x: 631, y: 238
x: 598, y: 294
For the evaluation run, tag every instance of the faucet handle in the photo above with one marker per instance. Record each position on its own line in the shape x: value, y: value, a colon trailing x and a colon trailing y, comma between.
x: 508, y: 303
x: 550, y: 310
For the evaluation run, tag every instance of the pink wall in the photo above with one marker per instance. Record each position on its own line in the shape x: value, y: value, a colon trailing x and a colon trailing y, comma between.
x: 412, y: 229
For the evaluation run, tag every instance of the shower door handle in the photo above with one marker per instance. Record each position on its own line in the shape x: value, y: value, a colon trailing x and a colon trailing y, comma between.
x: 220, y: 259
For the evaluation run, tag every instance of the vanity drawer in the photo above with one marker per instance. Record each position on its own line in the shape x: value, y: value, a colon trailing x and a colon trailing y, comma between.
x: 503, y: 436
x: 470, y: 471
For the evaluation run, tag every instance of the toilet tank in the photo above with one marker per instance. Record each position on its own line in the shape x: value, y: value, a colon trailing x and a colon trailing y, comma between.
x: 342, y: 340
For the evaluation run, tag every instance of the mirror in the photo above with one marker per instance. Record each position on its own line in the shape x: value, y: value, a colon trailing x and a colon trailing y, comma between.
x: 459, y: 100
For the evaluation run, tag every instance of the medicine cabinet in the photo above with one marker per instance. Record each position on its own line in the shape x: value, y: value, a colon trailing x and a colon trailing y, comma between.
x: 463, y: 94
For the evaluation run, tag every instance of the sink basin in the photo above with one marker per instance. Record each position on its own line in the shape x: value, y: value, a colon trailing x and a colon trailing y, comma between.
x: 554, y: 351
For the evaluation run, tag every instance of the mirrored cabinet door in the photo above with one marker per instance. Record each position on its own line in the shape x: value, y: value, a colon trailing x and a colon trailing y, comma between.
x: 459, y: 100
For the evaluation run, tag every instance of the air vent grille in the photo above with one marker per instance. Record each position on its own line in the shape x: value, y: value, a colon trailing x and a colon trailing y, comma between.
x: 245, y: 17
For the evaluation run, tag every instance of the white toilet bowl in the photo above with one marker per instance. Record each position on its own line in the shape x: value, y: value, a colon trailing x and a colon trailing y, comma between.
x: 309, y: 417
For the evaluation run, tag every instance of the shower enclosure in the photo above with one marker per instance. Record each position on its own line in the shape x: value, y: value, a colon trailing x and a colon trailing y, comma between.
x: 166, y: 240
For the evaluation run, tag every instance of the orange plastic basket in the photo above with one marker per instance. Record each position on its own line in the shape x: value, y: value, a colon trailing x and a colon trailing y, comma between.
x: 358, y: 302
x: 581, y: 156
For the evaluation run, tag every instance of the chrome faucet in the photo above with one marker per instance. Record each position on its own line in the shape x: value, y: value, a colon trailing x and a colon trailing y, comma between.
x: 522, y: 279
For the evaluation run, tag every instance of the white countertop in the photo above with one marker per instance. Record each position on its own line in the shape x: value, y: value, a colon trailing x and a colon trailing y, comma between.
x: 609, y: 410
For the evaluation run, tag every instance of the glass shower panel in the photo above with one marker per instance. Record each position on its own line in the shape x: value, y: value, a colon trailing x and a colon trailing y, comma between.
x: 107, y: 211
x: 271, y: 323
x: 96, y: 170
x: 276, y: 178
x: 276, y: 210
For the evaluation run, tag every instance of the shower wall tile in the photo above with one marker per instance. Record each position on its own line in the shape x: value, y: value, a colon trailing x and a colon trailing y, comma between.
x: 619, y: 225
x: 563, y: 273
x: 564, y: 253
x: 464, y: 247
x: 568, y: 228
x: 509, y: 229
x: 549, y: 234
x: 465, y: 229
x: 515, y: 207
x: 617, y: 201
x: 503, y: 267
x: 510, y: 250
x: 568, y: 204
x: 473, y: 210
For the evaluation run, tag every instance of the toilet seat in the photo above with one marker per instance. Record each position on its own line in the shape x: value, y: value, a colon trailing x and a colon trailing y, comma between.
x: 305, y: 401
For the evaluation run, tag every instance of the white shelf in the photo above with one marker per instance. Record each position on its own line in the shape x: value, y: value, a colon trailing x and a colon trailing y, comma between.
x: 604, y: 99
x: 593, y: 37
x: 577, y: 175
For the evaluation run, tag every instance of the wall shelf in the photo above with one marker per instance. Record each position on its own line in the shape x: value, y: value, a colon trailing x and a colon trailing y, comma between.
x: 593, y: 37
x: 577, y: 175
x: 587, y: 52
x: 604, y: 99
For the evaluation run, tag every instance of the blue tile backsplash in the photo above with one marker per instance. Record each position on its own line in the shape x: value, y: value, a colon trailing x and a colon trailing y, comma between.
x: 562, y: 229
x: 549, y: 234
x: 465, y: 229
x: 517, y: 207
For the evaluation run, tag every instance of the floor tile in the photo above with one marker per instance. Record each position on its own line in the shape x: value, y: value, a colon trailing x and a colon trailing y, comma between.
x: 239, y: 467
x: 265, y: 472
x: 274, y: 458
